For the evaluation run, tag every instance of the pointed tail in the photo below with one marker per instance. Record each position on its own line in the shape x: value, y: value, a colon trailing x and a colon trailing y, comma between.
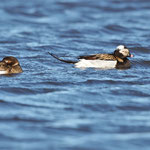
x: 66, y: 61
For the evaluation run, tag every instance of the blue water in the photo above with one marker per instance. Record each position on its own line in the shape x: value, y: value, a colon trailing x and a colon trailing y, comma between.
x: 52, y: 105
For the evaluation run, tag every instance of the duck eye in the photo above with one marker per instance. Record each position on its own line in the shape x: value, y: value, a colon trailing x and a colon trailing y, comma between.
x: 125, y: 47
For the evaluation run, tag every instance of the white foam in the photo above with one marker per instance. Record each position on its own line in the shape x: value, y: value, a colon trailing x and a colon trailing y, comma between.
x: 103, y: 64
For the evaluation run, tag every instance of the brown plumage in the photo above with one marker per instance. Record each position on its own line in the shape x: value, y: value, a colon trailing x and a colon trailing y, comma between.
x: 98, y: 56
x: 101, y: 57
x: 10, y: 65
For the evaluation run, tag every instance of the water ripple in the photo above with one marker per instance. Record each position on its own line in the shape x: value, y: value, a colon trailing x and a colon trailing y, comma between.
x: 53, y: 105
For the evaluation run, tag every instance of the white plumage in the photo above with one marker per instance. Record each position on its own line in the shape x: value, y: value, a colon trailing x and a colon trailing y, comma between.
x: 3, y: 72
x: 103, y: 64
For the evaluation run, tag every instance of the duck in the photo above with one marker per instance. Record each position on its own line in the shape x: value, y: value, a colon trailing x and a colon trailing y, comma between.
x: 118, y: 59
x: 10, y: 65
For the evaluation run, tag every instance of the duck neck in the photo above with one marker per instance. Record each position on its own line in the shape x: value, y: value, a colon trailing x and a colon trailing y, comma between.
x: 120, y: 59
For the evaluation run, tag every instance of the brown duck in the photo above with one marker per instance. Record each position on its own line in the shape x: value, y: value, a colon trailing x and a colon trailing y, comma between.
x: 10, y: 65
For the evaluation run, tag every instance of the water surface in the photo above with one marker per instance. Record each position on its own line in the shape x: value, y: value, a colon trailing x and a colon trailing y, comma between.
x: 52, y: 105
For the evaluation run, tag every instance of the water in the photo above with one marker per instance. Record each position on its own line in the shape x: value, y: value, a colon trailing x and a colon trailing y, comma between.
x: 52, y: 105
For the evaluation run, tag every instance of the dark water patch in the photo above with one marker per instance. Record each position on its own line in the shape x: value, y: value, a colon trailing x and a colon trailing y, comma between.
x: 141, y: 63
x: 26, y: 33
x: 10, y: 75
x: 130, y: 92
x: 4, y: 137
x: 47, y: 48
x: 68, y: 5
x: 134, y: 129
x: 85, y: 128
x: 76, y: 4
x: 115, y: 9
x: 33, y: 91
x: 141, y: 50
x: 133, y: 108
x: 49, y: 83
x: 20, y: 105
x: 117, y: 28
x: 71, y: 34
x: 22, y: 119
x: 8, y: 42
x: 99, y: 107
x: 24, y: 10
x: 18, y: 90
x: 1, y: 101
x: 116, y: 82
x: 32, y: 22
x: 145, y: 63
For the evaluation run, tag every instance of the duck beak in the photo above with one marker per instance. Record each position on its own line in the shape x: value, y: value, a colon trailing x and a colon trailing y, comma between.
x: 131, y: 55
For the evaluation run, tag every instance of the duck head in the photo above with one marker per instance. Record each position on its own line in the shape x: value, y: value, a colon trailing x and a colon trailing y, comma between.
x: 10, y: 65
x: 12, y: 61
x: 122, y: 52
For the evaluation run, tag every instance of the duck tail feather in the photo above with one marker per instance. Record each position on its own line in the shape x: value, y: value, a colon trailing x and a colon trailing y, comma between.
x: 66, y: 61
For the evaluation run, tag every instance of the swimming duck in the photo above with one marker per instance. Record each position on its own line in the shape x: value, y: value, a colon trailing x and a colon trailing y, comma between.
x: 118, y: 59
x: 10, y: 65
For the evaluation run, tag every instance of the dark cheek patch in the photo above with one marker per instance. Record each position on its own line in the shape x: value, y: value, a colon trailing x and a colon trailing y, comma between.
x: 118, y: 54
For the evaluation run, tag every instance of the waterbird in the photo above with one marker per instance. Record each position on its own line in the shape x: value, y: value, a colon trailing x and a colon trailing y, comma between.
x: 10, y: 65
x: 118, y: 59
